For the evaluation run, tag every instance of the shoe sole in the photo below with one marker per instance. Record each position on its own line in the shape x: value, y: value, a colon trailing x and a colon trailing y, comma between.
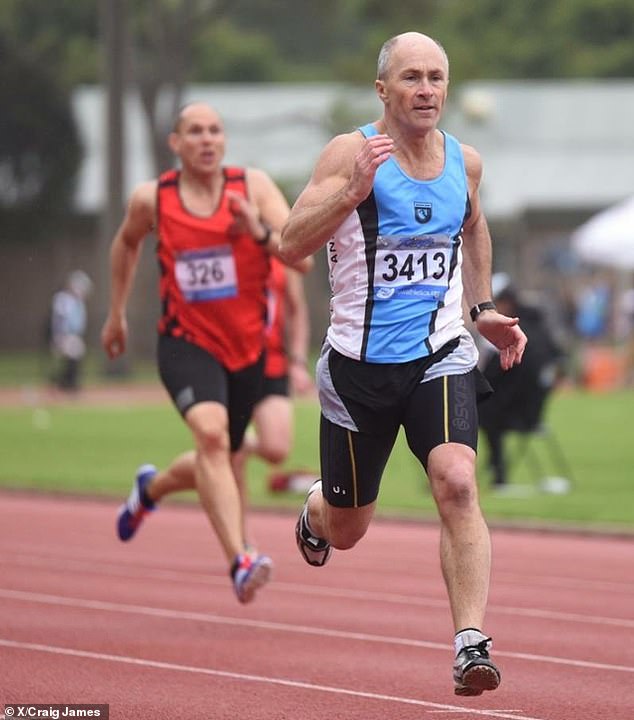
x: 126, y: 533
x: 122, y: 533
x: 478, y: 679
x: 260, y: 575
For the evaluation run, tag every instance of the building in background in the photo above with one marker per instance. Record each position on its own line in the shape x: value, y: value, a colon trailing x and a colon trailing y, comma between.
x: 554, y: 153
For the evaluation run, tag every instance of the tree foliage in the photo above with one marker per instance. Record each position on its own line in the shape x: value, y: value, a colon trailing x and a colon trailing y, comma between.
x: 598, y: 38
x: 45, y: 48
x: 61, y: 35
x: 39, y: 146
x: 246, y: 40
x: 162, y: 35
x: 239, y: 55
x: 538, y: 39
x: 173, y: 42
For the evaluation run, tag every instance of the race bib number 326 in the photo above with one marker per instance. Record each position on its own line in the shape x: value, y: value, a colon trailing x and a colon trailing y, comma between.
x: 207, y: 274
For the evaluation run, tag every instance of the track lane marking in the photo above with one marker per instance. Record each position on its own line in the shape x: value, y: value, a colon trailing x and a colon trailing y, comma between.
x: 159, y: 665
x: 148, y: 611
x: 500, y: 576
x: 343, y: 593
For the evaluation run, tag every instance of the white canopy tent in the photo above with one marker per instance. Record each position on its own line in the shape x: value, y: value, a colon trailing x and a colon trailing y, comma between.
x: 607, y: 239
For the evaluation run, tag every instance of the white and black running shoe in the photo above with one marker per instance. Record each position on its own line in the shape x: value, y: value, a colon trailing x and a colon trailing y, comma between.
x: 316, y: 551
x: 473, y: 671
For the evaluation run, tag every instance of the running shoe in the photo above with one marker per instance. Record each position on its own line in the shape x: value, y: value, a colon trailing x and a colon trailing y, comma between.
x: 473, y: 671
x: 316, y: 551
x: 249, y: 573
x: 137, y: 506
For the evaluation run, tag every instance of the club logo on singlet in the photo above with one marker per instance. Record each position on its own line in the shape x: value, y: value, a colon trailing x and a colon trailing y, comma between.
x: 422, y: 212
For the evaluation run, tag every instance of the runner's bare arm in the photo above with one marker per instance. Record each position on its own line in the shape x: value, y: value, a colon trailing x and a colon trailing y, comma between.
x: 476, y: 249
x: 124, y: 257
x: 502, y: 331
x: 342, y: 179
x: 271, y: 213
x: 298, y: 332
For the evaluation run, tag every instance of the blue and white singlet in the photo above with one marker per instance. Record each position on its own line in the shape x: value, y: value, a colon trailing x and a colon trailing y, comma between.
x: 395, y: 266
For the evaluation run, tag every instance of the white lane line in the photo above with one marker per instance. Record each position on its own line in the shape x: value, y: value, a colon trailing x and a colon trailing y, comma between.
x: 85, y: 654
x: 16, y: 556
x: 564, y: 583
x: 144, y: 610
x: 181, y: 576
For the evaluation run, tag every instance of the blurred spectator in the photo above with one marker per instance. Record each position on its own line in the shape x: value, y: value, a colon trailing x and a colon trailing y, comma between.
x: 626, y: 333
x: 593, y: 309
x: 519, y: 394
x: 67, y: 327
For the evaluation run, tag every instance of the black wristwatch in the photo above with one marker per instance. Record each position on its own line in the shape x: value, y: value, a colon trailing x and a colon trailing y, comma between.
x: 267, y: 234
x: 477, y: 309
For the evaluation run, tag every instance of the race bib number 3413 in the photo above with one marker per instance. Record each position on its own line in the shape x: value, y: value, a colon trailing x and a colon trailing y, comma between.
x: 207, y: 274
x: 415, y: 267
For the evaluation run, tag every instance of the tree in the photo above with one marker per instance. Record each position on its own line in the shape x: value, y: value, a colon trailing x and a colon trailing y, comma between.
x: 306, y: 34
x: 597, y: 38
x: 538, y: 39
x: 39, y: 144
x: 60, y: 35
x: 225, y: 52
x: 162, y: 33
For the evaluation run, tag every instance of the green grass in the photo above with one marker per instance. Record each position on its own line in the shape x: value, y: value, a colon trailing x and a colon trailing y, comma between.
x: 79, y: 449
x: 32, y: 369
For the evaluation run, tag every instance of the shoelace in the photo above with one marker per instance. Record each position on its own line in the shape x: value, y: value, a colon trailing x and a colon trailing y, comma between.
x: 308, y: 537
x: 138, y: 515
x: 136, y: 507
x: 242, y: 562
x: 481, y: 648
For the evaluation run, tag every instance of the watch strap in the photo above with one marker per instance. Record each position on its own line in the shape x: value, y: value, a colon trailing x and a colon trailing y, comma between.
x: 479, y: 307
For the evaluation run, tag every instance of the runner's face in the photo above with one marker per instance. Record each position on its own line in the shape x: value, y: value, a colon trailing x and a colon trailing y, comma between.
x: 199, y: 139
x: 414, y: 89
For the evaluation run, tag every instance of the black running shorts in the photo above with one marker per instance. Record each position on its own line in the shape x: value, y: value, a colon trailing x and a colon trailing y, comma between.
x: 275, y: 386
x: 191, y: 375
x: 380, y: 399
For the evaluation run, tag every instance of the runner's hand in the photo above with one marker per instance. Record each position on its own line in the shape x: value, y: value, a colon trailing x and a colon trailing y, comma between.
x: 505, y: 333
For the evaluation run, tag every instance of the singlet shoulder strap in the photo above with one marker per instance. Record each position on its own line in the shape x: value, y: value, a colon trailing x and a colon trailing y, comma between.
x: 234, y: 174
x: 170, y: 177
x: 368, y: 130
x: 452, y: 145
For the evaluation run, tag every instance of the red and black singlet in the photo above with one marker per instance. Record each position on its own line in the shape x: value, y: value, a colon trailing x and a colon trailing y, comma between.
x: 213, y: 281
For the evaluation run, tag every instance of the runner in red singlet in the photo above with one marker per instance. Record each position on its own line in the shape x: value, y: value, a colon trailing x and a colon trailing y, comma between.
x: 285, y: 374
x: 217, y: 228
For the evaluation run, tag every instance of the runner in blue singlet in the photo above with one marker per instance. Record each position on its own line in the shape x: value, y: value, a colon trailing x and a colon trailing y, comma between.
x: 396, y: 205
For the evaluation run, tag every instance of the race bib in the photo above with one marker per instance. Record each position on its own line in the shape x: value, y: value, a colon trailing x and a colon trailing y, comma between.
x: 414, y: 267
x: 207, y: 274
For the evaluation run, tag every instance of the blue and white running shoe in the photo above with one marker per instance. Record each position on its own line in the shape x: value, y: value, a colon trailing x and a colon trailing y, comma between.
x: 137, y: 506
x: 249, y: 573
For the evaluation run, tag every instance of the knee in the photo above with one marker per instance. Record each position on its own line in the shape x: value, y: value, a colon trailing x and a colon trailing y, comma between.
x: 342, y: 539
x: 454, y: 485
x: 345, y: 530
x: 212, y: 437
x: 273, y: 452
x: 456, y: 491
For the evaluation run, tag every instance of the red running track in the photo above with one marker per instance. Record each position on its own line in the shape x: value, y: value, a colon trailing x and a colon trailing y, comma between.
x: 153, y: 629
